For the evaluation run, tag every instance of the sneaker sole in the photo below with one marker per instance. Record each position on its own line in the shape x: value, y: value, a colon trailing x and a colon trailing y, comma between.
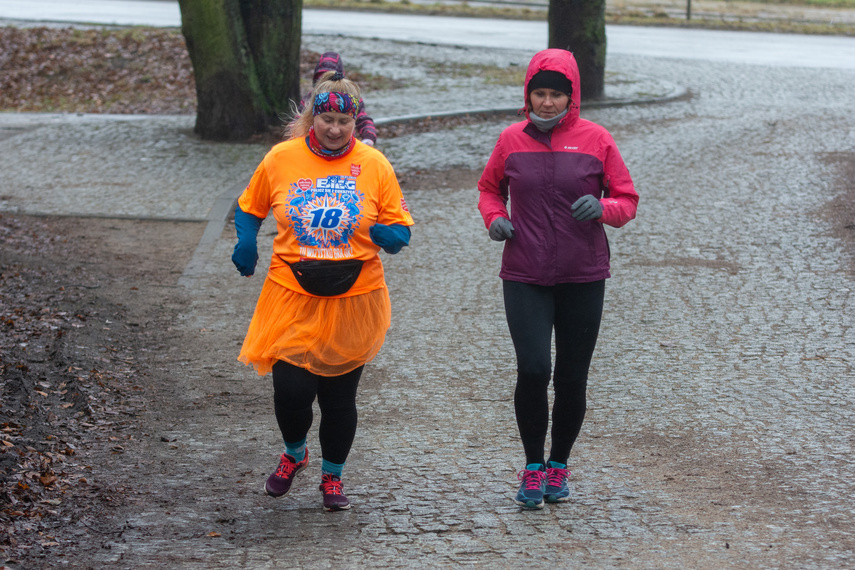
x: 274, y: 495
x: 336, y: 509
x: 529, y: 504
x: 554, y: 499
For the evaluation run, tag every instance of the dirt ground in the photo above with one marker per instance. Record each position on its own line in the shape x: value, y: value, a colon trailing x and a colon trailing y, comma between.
x: 81, y: 315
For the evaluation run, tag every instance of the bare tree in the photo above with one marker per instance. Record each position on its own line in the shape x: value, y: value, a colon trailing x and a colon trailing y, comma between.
x: 579, y: 26
x: 246, y: 61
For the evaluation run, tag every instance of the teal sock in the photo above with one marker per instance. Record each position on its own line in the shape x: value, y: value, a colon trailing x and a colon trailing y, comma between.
x: 330, y: 468
x: 556, y: 465
x: 534, y: 467
x: 296, y: 450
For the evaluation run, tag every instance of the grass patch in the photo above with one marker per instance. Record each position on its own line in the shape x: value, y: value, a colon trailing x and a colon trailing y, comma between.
x: 490, y: 74
x: 820, y: 3
x: 747, y: 25
x: 437, y: 9
x: 622, y: 14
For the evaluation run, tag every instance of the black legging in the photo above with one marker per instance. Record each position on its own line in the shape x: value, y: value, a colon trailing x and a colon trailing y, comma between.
x: 294, y: 391
x: 574, y: 311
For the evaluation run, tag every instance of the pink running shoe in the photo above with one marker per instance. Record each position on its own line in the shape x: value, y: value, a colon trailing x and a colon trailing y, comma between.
x: 279, y: 483
x: 334, y: 498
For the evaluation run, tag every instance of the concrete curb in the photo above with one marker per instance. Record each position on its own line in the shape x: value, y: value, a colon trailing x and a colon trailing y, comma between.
x: 675, y: 93
x: 220, y: 212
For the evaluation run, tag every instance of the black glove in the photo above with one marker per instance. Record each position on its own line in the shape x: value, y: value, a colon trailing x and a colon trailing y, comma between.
x: 501, y: 229
x: 587, y: 208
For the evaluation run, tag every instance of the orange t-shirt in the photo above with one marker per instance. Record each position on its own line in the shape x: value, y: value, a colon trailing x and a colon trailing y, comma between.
x: 324, y: 208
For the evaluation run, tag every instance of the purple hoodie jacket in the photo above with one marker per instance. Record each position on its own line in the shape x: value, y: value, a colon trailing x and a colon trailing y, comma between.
x: 542, y: 175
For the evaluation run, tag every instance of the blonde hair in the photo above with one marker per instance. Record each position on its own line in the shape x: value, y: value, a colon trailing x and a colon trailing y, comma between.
x: 302, y: 122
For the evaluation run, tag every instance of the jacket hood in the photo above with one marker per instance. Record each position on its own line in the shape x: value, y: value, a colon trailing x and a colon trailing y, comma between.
x: 562, y: 61
x: 329, y: 61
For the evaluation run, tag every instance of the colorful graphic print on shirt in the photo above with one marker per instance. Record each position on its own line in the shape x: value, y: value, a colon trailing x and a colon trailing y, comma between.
x: 325, y: 214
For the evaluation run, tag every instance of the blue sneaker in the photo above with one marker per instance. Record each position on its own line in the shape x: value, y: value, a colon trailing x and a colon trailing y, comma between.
x: 533, y: 483
x: 557, y: 488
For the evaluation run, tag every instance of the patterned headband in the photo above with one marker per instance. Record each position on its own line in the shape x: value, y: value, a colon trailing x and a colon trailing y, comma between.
x: 335, y: 102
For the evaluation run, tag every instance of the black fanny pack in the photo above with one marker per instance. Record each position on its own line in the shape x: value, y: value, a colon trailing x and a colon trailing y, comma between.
x: 326, y: 278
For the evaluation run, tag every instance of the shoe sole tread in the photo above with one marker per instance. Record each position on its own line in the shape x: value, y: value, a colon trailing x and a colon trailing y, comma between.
x: 554, y: 499
x: 336, y: 508
x: 530, y: 504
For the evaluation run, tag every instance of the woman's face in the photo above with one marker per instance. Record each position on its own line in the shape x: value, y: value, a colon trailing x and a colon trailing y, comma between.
x: 333, y: 130
x: 547, y: 103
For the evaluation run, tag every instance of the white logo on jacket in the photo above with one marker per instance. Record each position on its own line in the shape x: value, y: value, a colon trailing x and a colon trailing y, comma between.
x: 571, y: 148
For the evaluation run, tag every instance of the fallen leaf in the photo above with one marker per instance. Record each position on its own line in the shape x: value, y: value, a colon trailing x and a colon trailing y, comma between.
x: 47, y: 480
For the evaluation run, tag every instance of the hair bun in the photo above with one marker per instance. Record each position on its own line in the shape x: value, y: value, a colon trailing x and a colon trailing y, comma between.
x: 338, y: 76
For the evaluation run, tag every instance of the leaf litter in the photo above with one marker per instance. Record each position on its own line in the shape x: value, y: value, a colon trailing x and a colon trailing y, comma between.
x: 71, y: 389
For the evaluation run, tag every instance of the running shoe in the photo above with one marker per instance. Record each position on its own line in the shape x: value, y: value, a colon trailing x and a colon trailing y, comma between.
x: 279, y: 483
x: 334, y: 498
x: 532, y: 486
x: 557, y: 487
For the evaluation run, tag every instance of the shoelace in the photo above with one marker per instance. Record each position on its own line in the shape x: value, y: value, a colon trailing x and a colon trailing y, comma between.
x: 532, y: 479
x: 330, y: 486
x: 556, y: 476
x: 286, y: 467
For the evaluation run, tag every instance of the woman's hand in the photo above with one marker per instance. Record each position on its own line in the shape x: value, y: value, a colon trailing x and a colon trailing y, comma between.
x: 587, y: 208
x: 501, y: 229
x: 245, y: 257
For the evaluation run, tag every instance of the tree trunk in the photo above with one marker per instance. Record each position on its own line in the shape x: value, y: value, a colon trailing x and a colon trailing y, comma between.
x: 246, y: 61
x: 579, y: 26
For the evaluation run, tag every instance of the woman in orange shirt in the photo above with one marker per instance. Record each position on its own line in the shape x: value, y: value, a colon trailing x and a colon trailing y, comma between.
x: 324, y: 308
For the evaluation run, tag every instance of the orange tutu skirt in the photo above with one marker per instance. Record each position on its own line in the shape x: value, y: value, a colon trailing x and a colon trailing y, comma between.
x: 325, y: 335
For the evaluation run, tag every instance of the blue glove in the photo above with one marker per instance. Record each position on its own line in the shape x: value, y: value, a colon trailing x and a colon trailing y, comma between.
x: 245, y: 255
x: 501, y: 229
x: 390, y: 238
x: 587, y: 208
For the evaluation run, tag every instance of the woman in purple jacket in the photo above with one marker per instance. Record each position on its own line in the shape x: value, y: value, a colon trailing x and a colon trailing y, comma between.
x: 564, y: 178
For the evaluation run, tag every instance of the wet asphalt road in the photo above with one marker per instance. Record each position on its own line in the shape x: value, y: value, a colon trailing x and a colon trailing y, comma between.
x: 704, y: 45
x: 719, y: 432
